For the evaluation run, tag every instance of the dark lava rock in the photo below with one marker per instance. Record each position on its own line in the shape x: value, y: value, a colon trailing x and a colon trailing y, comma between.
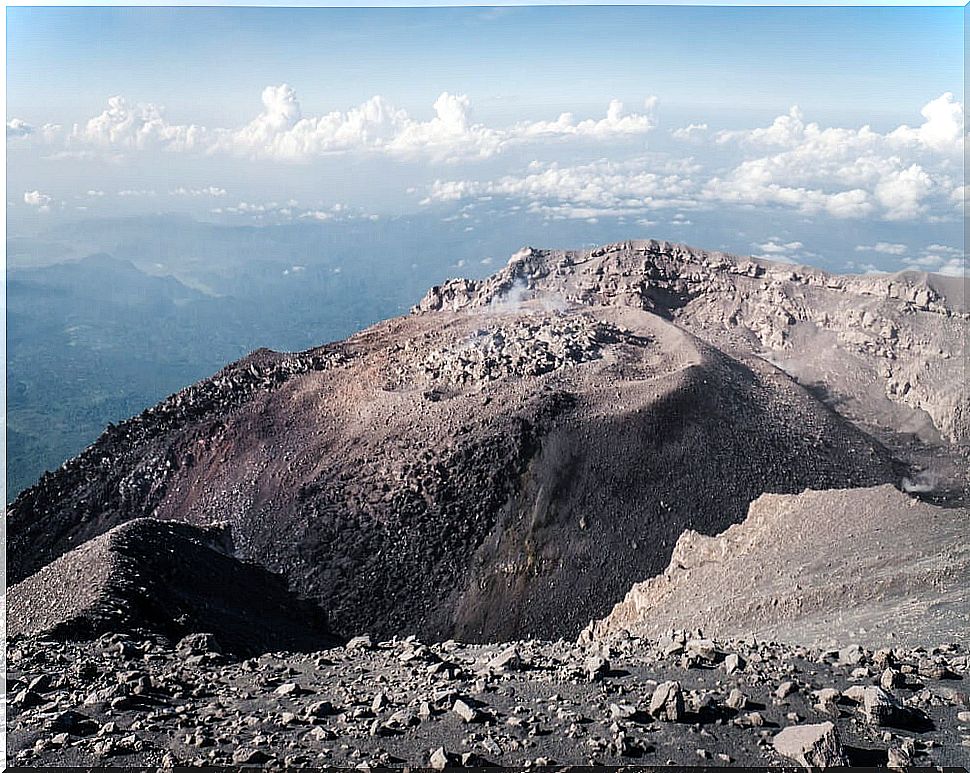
x: 370, y: 708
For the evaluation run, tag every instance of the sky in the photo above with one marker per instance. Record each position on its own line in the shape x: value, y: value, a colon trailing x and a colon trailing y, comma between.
x: 823, y: 135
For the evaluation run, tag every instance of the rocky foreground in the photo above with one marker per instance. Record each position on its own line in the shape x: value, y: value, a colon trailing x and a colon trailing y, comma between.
x: 682, y: 699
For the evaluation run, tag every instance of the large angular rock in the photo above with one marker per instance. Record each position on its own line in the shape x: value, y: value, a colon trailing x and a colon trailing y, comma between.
x: 811, y: 746
x: 667, y: 702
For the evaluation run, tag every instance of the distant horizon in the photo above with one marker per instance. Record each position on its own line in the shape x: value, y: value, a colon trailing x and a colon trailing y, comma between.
x: 491, y: 264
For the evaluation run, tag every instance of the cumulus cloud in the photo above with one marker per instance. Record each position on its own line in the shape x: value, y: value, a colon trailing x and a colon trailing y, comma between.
x: 17, y: 128
x: 959, y: 197
x: 782, y: 251
x: 774, y: 247
x: 756, y: 183
x: 140, y: 127
x: 282, y: 132
x: 941, y: 130
x: 848, y: 173
x: 694, y: 132
x: 616, y: 122
x: 885, y: 248
x: 41, y: 201
x: 940, y: 259
x: 840, y: 173
x: 901, y: 192
x: 904, y: 174
x: 211, y: 190
x: 583, y: 191
x: 784, y: 131
x: 266, y: 212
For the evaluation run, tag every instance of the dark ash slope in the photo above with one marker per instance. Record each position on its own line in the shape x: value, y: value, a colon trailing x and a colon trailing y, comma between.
x: 492, y: 473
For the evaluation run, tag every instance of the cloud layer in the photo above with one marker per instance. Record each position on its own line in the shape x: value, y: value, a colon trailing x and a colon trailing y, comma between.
x: 282, y: 132
x: 902, y: 175
x: 894, y: 188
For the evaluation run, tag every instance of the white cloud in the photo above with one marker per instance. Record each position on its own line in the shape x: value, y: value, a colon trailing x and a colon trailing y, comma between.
x: 942, y: 129
x: 775, y: 248
x: 211, y: 190
x: 50, y: 131
x: 943, y: 249
x: 940, y: 259
x: 694, y: 132
x: 291, y: 211
x: 41, y: 201
x: 848, y: 173
x: 835, y: 172
x: 137, y: 127
x: 317, y: 214
x: 902, y: 192
x: 784, y: 131
x: 17, y: 128
x: 783, y: 252
x: 616, y: 122
x: 281, y: 131
x: 753, y: 183
x: 885, y: 248
x: 583, y: 191
x: 954, y: 267
x: 904, y: 174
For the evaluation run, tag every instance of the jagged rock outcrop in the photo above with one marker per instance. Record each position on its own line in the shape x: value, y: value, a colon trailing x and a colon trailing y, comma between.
x: 865, y: 565
x: 889, y: 349
x: 168, y: 579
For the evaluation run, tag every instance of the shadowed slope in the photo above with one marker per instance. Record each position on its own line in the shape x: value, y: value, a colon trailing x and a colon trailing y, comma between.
x: 167, y: 578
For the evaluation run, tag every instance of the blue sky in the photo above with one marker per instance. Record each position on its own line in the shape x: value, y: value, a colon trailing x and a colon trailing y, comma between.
x: 205, y: 125
x: 831, y: 60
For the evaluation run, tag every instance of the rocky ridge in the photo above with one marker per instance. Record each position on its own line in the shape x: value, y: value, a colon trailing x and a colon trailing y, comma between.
x: 905, y: 331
